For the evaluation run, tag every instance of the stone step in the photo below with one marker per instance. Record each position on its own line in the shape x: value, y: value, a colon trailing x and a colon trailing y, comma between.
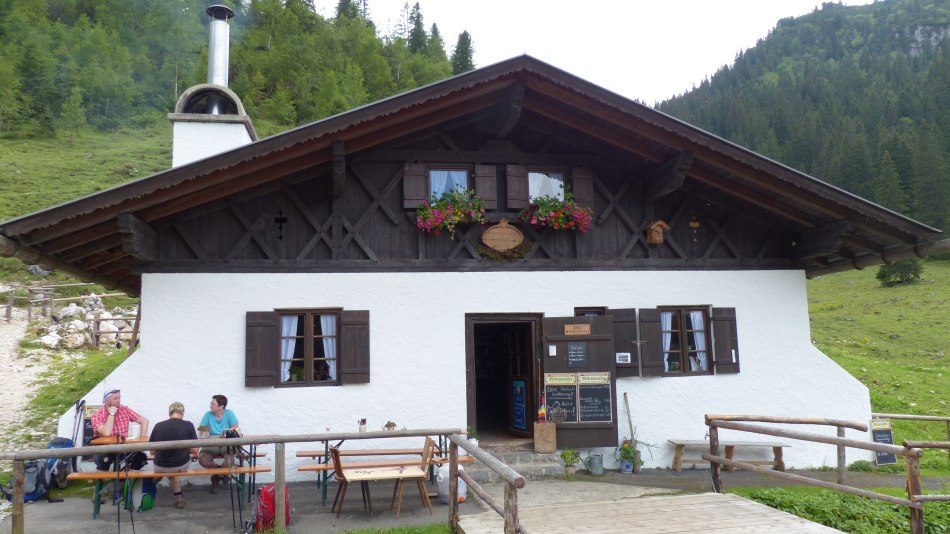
x: 528, y: 464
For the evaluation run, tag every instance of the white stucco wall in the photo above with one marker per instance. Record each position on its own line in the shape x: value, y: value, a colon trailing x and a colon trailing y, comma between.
x: 193, y: 347
x: 192, y: 141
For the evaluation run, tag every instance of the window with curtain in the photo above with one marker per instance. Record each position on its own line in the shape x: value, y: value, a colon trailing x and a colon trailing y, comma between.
x: 309, y: 347
x: 684, y: 334
x: 447, y: 180
x: 546, y: 183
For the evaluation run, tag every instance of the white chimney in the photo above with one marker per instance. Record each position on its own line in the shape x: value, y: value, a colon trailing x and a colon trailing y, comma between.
x: 209, y: 118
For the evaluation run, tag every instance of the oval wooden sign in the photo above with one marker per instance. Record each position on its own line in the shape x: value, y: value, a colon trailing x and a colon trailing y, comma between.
x: 502, y: 237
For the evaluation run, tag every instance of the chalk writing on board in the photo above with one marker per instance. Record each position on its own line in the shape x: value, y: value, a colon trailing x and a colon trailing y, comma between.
x: 881, y: 433
x: 595, y: 405
x: 577, y: 354
x: 564, y: 397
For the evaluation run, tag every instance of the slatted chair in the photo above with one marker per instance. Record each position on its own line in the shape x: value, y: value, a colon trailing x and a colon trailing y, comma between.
x: 343, y: 483
x: 420, y: 475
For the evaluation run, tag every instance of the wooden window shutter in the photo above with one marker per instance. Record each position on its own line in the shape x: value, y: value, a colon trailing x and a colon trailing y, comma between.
x: 625, y: 340
x: 261, y: 339
x: 725, y: 341
x: 486, y: 187
x: 354, y: 347
x: 517, y: 182
x: 582, y: 186
x: 415, y: 185
x: 651, y: 346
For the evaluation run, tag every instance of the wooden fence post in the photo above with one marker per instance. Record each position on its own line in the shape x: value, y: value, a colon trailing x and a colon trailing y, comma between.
x: 914, y: 488
x: 19, y: 474
x: 95, y: 329
x: 715, y: 467
x: 842, y: 459
x: 135, y: 334
x: 29, y: 304
x: 453, y: 487
x: 52, y: 303
x: 280, y: 501
x: 10, y: 305
x: 511, y: 508
x: 948, y: 437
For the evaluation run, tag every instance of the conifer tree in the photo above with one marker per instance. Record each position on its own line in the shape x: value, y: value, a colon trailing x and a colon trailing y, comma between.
x: 435, y: 48
x: 347, y: 8
x: 463, y: 53
x: 74, y: 114
x: 417, y: 33
x: 887, y: 185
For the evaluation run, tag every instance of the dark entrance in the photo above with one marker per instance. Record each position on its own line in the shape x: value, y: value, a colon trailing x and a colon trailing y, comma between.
x: 502, y: 377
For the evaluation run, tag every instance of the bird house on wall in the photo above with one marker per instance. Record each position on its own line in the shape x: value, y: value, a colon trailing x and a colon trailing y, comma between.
x: 655, y: 232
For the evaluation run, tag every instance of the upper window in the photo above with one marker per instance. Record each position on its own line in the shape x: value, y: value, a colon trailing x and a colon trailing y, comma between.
x: 309, y: 344
x: 685, y: 340
x: 546, y: 183
x: 443, y: 181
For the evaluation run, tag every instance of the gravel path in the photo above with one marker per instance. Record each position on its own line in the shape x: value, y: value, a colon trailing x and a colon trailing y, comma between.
x: 17, y: 378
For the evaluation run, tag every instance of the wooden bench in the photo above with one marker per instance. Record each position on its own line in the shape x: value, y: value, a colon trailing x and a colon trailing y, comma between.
x: 362, y: 452
x: 730, y: 446
x: 102, y: 478
x: 381, y: 463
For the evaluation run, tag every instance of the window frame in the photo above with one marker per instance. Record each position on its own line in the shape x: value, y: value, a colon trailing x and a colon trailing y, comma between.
x: 547, y: 170
x: 469, y: 177
x: 309, y: 338
x: 683, y: 349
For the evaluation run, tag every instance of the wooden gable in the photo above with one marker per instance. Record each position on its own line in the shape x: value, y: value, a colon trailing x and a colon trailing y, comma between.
x: 339, y: 194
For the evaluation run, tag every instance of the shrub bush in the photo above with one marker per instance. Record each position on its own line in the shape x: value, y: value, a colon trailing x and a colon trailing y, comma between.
x: 899, y: 272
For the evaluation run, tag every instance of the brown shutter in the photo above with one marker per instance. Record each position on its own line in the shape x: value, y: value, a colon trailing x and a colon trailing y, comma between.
x: 415, y: 186
x: 486, y: 187
x: 651, y: 346
x: 261, y: 358
x: 354, y: 347
x: 725, y: 341
x: 625, y: 340
x: 582, y: 186
x: 517, y: 182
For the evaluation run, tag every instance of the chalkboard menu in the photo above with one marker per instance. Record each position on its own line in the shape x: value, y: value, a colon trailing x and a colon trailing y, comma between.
x: 518, y: 416
x: 584, y: 397
x: 564, y: 397
x: 595, y: 403
x: 577, y: 355
x: 881, y: 433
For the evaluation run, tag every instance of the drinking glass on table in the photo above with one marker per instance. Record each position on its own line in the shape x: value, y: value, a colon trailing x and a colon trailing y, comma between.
x: 202, y: 432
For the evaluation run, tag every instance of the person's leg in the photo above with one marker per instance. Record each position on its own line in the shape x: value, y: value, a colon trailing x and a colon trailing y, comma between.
x: 206, y: 459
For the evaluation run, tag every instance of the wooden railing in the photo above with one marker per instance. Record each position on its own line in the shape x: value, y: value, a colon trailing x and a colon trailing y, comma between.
x: 907, y: 417
x: 910, y: 451
x: 513, y: 482
x: 454, y: 435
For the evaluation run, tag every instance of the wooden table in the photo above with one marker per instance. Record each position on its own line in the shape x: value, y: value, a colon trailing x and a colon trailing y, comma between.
x: 776, y: 462
x: 113, y: 440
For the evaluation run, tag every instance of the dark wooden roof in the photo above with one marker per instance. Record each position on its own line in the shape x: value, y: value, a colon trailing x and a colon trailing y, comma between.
x: 94, y: 236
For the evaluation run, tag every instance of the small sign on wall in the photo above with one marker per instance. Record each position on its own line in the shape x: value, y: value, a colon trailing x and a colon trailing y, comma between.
x: 623, y: 357
x: 577, y: 355
x: 577, y: 330
x: 552, y: 350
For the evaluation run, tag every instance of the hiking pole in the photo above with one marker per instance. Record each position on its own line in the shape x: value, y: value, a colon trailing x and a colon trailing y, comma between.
x: 229, y: 459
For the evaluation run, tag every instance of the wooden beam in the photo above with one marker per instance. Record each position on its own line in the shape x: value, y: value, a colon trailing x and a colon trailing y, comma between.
x: 862, y: 262
x: 336, y: 205
x: 138, y: 238
x: 821, y: 241
x: 511, y: 110
x: 668, y: 177
x: 13, y: 249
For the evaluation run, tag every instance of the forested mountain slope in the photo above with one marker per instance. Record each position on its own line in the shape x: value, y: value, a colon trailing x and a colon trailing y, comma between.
x: 858, y: 96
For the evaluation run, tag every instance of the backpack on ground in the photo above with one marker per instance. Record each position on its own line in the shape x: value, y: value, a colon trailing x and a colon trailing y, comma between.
x: 266, y: 506
x: 59, y: 468
x: 107, y: 462
x: 139, y: 493
x: 36, y: 482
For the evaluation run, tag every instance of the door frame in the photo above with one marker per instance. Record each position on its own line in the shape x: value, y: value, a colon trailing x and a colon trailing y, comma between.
x: 472, y: 319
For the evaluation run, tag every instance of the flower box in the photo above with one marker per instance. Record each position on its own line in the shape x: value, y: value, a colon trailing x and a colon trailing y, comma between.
x: 451, y: 209
x: 559, y: 214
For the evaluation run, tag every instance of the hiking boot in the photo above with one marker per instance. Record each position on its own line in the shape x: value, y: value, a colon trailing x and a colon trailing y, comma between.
x: 179, y: 501
x: 214, y: 484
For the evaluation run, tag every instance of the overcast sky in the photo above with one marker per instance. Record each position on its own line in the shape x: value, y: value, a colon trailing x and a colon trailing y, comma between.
x: 648, y: 50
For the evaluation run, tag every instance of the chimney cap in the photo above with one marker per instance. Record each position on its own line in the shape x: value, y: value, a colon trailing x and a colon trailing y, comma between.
x: 219, y: 11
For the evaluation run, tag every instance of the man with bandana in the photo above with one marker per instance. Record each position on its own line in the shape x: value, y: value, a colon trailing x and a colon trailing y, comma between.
x: 113, y: 418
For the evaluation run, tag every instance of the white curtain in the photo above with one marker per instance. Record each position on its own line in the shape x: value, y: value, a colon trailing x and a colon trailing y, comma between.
x: 288, y: 329
x: 445, y: 181
x: 328, y: 326
x: 666, y: 326
x: 546, y: 184
x: 699, y: 337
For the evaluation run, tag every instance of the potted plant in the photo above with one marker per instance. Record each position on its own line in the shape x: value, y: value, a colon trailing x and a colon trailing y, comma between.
x: 452, y: 208
x: 570, y: 457
x: 472, y: 435
x: 559, y: 214
x: 629, y: 456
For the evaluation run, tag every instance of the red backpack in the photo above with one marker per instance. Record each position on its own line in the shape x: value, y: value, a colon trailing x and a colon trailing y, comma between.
x: 264, y: 518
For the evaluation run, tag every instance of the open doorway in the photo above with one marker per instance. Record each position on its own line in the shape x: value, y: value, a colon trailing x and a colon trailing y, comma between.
x: 501, y: 353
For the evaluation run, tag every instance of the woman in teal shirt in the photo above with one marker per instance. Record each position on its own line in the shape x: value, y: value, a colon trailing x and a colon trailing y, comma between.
x: 215, y: 422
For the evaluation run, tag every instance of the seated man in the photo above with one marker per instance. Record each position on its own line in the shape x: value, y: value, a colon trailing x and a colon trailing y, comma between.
x: 113, y: 418
x: 175, y: 460
x: 216, y: 421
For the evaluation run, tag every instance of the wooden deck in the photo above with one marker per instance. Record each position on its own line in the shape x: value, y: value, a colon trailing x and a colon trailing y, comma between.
x: 707, y: 512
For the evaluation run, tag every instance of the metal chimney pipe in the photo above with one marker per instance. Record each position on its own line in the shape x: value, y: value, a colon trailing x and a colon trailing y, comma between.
x: 218, y: 51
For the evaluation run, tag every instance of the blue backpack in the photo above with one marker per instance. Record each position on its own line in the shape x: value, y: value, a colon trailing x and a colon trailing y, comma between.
x: 36, y: 482
x: 59, y: 468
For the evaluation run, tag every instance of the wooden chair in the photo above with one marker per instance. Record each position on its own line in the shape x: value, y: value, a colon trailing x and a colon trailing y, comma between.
x: 343, y: 483
x: 419, y: 476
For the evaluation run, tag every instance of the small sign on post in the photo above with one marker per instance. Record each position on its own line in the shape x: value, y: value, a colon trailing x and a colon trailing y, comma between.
x: 881, y: 433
